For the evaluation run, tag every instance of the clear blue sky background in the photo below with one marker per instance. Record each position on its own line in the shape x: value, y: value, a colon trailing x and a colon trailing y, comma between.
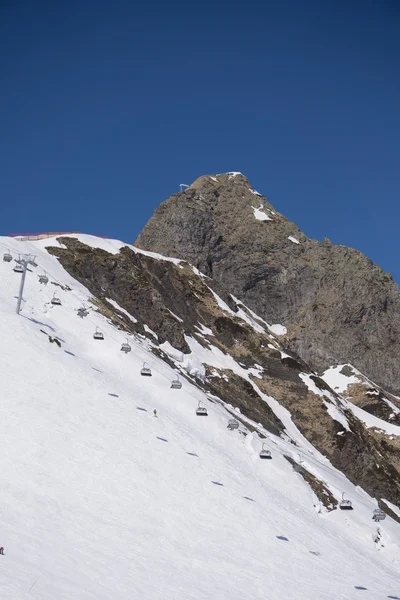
x: 106, y: 107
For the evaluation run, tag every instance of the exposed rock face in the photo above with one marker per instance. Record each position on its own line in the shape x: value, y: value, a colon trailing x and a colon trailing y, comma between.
x: 337, y: 305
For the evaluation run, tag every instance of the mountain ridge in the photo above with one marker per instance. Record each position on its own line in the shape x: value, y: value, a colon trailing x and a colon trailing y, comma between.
x: 338, y: 307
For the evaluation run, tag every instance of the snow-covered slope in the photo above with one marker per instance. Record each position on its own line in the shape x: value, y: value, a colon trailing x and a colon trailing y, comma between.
x: 100, y: 500
x: 343, y: 378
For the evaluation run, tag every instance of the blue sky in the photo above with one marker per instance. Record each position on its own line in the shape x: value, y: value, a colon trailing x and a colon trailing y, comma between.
x: 106, y: 107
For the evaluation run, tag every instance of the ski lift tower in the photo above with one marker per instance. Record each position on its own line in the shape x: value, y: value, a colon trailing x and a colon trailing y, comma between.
x: 24, y: 260
x: 183, y: 186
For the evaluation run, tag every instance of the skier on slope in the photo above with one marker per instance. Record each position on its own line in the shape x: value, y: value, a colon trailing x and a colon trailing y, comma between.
x: 155, y: 413
x: 2, y: 550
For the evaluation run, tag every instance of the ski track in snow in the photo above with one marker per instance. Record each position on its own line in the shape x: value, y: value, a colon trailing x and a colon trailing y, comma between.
x: 101, y: 500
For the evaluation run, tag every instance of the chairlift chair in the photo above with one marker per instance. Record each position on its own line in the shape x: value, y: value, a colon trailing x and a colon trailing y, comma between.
x: 7, y: 257
x: 145, y: 371
x: 43, y: 279
x: 201, y: 411
x: 98, y: 335
x: 18, y: 268
x: 56, y: 301
x: 126, y: 347
x: 265, y: 454
x: 233, y: 424
x: 345, y: 504
x: 176, y: 384
x: 378, y: 515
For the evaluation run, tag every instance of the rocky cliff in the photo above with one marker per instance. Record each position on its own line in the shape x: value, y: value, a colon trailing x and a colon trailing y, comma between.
x: 337, y: 306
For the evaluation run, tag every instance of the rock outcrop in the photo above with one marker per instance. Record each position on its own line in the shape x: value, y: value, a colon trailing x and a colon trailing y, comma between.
x: 337, y: 306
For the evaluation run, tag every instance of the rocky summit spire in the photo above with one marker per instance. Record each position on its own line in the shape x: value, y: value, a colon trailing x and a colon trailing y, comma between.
x: 337, y: 306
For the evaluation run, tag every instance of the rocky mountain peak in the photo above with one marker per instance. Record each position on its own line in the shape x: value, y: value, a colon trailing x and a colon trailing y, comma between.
x: 216, y: 212
x: 337, y: 306
x: 230, y: 190
x: 220, y: 179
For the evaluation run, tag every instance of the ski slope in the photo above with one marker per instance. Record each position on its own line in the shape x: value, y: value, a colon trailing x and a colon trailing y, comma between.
x: 100, y: 500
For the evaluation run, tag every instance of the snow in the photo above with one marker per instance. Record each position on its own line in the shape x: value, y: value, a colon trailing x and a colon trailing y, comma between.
x: 260, y: 215
x: 122, y: 310
x: 203, y: 329
x: 175, y: 316
x: 101, y: 500
x: 392, y: 507
x: 251, y: 312
x: 329, y: 400
x: 306, y: 378
x: 240, y: 314
x: 147, y: 328
x: 172, y: 352
x: 215, y: 373
x: 394, y: 408
x: 199, y: 273
x: 248, y: 316
x: 234, y: 173
x: 278, y: 329
x: 221, y: 303
x: 372, y: 421
x: 188, y: 362
x: 337, y: 381
x: 293, y: 239
x: 110, y: 246
x: 254, y: 192
x: 214, y: 178
x: 213, y: 356
x: 256, y: 371
x: 340, y: 383
x: 337, y: 415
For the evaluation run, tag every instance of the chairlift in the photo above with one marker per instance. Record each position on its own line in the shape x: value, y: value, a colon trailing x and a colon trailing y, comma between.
x: 98, y: 335
x: 201, y: 411
x: 56, y: 301
x: 176, y: 384
x: 43, y: 279
x: 126, y: 347
x: 18, y: 268
x: 7, y: 257
x: 265, y: 454
x: 82, y: 312
x: 145, y: 371
x: 233, y: 424
x: 378, y: 515
x: 345, y: 504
